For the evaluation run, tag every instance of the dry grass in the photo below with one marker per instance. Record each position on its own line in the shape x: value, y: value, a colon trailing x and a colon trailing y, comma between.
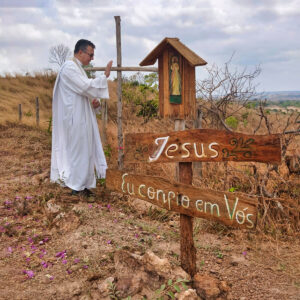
x: 272, y: 259
x: 24, y: 89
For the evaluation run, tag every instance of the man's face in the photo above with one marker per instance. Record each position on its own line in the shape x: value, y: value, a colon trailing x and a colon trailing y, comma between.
x: 87, y: 55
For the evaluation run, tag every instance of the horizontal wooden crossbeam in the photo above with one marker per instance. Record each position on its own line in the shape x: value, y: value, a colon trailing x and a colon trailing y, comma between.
x: 131, y: 69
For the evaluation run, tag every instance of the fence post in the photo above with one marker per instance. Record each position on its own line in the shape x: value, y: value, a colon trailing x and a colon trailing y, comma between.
x: 20, y: 112
x: 37, y: 109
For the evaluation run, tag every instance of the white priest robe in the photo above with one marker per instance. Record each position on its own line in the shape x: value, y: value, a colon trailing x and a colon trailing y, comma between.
x: 76, y: 146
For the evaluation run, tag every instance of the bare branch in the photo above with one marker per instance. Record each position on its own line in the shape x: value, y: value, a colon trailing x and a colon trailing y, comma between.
x: 224, y: 87
x: 59, y: 54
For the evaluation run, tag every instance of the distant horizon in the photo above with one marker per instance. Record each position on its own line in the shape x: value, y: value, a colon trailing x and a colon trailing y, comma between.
x: 244, y: 34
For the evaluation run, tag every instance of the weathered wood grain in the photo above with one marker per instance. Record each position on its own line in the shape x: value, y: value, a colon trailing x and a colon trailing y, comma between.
x: 201, y: 145
x: 233, y: 209
x: 188, y: 251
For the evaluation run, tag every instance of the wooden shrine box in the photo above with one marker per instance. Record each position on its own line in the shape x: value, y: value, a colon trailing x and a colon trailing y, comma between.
x: 176, y: 73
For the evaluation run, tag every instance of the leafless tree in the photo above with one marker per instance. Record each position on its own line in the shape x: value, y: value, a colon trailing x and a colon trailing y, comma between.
x: 58, y: 54
x: 223, y: 87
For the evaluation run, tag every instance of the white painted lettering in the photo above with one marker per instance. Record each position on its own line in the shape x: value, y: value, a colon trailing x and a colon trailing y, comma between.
x: 231, y: 213
x: 151, y: 193
x: 202, y: 151
x: 210, y: 147
x: 163, y: 195
x: 212, y: 206
x: 248, y: 217
x: 132, y: 189
x: 160, y: 149
x: 140, y: 187
x: 185, y: 201
x: 123, y: 182
x: 170, y: 198
x: 185, y: 149
x: 240, y: 217
x: 169, y: 149
x: 199, y: 203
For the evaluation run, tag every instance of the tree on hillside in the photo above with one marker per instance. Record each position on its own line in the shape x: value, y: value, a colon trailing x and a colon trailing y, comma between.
x: 224, y: 87
x: 58, y: 54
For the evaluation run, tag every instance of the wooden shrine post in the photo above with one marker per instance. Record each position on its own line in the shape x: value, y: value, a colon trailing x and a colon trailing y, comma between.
x: 176, y: 66
x: 177, y: 100
x: 187, y: 249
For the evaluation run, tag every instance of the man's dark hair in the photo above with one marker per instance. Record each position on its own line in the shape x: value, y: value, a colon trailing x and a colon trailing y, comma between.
x: 82, y: 45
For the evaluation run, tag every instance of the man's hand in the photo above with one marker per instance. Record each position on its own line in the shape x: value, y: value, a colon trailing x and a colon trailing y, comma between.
x: 108, y: 68
x: 96, y: 103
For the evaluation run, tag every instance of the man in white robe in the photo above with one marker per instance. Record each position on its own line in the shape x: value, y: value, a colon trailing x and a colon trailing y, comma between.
x: 76, y: 146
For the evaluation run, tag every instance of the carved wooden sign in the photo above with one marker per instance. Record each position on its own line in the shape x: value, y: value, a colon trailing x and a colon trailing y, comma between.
x: 201, y: 145
x: 234, y: 209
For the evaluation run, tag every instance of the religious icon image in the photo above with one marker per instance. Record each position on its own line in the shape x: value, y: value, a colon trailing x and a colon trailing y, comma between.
x: 175, y: 80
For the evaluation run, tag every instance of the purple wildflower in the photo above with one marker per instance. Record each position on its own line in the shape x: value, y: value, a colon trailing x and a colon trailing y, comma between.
x: 76, y: 260
x: 61, y: 254
x: 85, y: 266
x: 9, y: 250
x: 44, y: 264
x: 64, y: 261
x: 29, y: 273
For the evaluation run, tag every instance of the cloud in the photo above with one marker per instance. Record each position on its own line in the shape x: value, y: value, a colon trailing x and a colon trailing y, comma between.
x: 258, y: 31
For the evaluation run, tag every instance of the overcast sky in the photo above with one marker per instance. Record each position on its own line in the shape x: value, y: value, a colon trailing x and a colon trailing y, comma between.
x: 259, y: 32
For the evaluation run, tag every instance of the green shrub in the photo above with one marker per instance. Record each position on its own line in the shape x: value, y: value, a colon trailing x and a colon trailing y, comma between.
x: 148, y: 109
x: 232, y: 122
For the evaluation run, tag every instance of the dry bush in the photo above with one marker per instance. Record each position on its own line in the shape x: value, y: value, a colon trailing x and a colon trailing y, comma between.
x: 277, y: 190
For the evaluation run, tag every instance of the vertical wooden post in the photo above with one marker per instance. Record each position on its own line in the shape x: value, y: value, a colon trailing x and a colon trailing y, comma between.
x: 187, y: 248
x: 37, y: 111
x: 20, y: 112
x: 119, y: 105
x: 104, y: 121
x: 197, y: 165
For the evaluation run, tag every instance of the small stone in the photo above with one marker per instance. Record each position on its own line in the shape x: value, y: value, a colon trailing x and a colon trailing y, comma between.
x: 206, y: 286
x: 104, y: 286
x: 129, y: 286
x: 173, y: 223
x: 84, y: 245
x: 187, y: 295
x: 237, y: 260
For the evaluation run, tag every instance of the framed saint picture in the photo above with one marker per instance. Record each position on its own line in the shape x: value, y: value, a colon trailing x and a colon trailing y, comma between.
x: 175, y: 83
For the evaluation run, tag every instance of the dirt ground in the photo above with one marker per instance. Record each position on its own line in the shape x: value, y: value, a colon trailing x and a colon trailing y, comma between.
x: 57, y: 246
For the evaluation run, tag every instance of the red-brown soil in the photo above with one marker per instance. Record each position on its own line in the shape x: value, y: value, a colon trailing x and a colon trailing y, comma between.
x: 67, y: 244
